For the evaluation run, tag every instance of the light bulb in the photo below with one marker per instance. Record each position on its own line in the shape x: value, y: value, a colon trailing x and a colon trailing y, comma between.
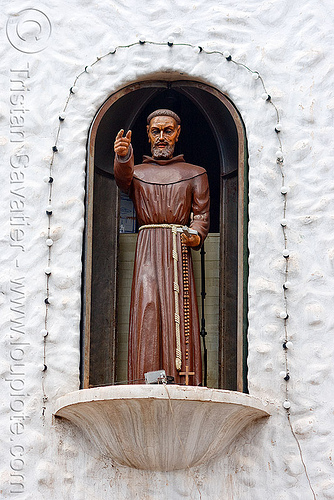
x: 279, y: 155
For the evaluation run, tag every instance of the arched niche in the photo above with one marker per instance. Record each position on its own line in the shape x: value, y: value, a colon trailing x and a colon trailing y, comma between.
x: 212, y: 136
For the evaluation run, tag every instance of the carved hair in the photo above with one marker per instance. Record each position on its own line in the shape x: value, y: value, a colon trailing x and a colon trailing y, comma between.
x: 163, y: 112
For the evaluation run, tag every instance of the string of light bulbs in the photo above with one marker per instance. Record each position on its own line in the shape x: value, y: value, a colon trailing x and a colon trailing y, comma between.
x: 57, y: 148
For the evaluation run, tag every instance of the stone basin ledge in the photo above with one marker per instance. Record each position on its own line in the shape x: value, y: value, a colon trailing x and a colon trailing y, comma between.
x: 157, y: 427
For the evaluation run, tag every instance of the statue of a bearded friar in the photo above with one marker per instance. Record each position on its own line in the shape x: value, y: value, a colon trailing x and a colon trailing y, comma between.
x: 168, y: 194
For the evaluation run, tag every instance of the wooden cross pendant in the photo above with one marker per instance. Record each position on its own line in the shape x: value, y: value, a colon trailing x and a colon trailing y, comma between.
x: 187, y: 373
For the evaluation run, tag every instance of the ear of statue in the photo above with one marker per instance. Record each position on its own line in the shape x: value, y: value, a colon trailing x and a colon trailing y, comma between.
x: 147, y: 129
x: 178, y: 133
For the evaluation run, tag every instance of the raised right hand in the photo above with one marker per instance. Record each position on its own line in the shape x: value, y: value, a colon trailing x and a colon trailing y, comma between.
x: 122, y: 143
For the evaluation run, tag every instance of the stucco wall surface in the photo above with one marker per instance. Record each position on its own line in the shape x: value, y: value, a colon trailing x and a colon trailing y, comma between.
x: 290, y: 44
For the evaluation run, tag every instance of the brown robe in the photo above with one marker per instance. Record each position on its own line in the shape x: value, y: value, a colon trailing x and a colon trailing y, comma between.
x: 163, y: 191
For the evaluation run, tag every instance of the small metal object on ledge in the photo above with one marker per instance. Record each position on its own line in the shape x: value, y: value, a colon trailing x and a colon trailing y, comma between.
x: 158, y: 377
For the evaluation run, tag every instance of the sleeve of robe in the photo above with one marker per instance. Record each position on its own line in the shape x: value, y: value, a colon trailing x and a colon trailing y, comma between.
x: 123, y: 171
x: 201, y: 207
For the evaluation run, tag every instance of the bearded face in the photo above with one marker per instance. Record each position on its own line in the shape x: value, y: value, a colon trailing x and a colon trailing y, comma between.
x: 162, y: 151
x: 163, y: 133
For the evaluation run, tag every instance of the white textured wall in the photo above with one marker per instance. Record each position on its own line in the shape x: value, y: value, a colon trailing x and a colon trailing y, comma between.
x: 290, y: 44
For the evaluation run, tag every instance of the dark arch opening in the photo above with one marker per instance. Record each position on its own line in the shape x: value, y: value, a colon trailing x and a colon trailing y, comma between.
x: 211, y: 138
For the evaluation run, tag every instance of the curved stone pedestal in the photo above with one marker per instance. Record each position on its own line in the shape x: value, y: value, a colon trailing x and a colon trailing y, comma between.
x: 157, y: 427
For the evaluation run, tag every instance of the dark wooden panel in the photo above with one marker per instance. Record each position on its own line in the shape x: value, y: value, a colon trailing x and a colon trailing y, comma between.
x: 229, y: 284
x: 104, y: 269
